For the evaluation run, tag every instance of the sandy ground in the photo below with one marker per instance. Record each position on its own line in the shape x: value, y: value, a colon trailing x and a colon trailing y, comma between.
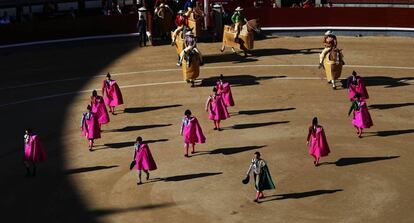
x: 277, y: 93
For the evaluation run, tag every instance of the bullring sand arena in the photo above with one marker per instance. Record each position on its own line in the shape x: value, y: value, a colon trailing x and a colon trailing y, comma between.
x: 277, y: 93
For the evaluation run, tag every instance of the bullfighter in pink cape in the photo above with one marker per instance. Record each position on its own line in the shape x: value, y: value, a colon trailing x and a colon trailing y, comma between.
x: 143, y: 159
x: 99, y: 108
x: 34, y: 151
x: 224, y: 88
x: 356, y: 85
x: 362, y: 118
x: 192, y: 132
x: 112, y: 94
x: 217, y: 109
x: 90, y: 127
x: 316, y: 140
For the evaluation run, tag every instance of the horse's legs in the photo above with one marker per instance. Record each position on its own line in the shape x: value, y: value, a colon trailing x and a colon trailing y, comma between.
x: 222, y: 47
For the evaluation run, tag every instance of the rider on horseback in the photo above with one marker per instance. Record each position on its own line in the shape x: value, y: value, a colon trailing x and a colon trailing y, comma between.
x: 190, y: 47
x: 181, y: 21
x: 238, y: 18
x: 330, y: 43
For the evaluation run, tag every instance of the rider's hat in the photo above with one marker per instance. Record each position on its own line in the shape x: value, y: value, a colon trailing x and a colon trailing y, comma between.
x: 189, y: 33
x: 180, y: 12
x: 329, y: 32
x: 216, y: 6
x: 239, y: 8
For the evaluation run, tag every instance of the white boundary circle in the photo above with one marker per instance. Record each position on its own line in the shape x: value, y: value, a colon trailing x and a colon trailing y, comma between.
x: 202, y: 68
x: 175, y: 82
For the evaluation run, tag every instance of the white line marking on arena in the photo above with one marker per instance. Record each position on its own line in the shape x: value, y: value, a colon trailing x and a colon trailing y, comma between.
x: 145, y: 85
x: 203, y: 68
x: 263, y: 28
x: 85, y: 91
x: 67, y: 40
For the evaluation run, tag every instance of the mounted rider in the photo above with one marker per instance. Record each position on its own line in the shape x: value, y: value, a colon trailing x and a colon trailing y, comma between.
x: 181, y: 21
x: 330, y: 43
x: 190, y: 46
x: 239, y: 19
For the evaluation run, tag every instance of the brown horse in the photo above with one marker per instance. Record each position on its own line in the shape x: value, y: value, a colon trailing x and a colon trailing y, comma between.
x: 246, y: 37
x: 165, y: 19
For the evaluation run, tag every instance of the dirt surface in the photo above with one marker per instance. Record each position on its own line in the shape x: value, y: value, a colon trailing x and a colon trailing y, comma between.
x: 277, y: 93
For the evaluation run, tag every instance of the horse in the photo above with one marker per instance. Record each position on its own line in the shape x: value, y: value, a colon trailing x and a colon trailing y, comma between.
x: 195, y: 21
x: 165, y: 18
x: 191, y: 71
x: 333, y: 63
x: 246, y: 37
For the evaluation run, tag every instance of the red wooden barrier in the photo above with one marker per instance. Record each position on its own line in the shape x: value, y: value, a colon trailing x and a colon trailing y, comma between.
x: 361, y: 17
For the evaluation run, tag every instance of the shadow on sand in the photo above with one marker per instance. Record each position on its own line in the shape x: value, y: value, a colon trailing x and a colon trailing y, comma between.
x: 301, y: 195
x: 138, y: 127
x: 263, y: 111
x: 255, y: 125
x: 88, y: 169
x: 103, y: 212
x: 387, y: 82
x: 150, y: 108
x: 228, y: 151
x: 237, y: 80
x: 390, y: 133
x: 389, y: 106
x: 358, y: 160
x: 183, y: 177
x: 120, y: 145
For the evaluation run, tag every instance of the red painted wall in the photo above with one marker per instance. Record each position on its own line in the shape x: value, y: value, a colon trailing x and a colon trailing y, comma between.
x: 368, y: 17
x: 269, y: 17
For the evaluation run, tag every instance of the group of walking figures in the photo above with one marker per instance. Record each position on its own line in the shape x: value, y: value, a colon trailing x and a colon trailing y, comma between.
x: 217, y: 105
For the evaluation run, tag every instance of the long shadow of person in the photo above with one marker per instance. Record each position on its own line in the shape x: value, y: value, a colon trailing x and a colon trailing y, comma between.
x: 346, y: 161
x: 300, y: 195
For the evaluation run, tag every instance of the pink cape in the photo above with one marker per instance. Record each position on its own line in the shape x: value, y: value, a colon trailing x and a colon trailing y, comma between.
x: 112, y: 93
x: 217, y: 109
x: 362, y: 118
x: 358, y: 88
x: 90, y: 127
x: 192, y: 132
x: 98, y: 107
x: 34, y: 150
x: 225, y: 90
x: 318, y: 145
x: 144, y: 158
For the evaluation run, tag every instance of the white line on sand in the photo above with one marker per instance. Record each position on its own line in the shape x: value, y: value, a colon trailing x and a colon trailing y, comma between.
x: 177, y: 82
x: 203, y: 68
